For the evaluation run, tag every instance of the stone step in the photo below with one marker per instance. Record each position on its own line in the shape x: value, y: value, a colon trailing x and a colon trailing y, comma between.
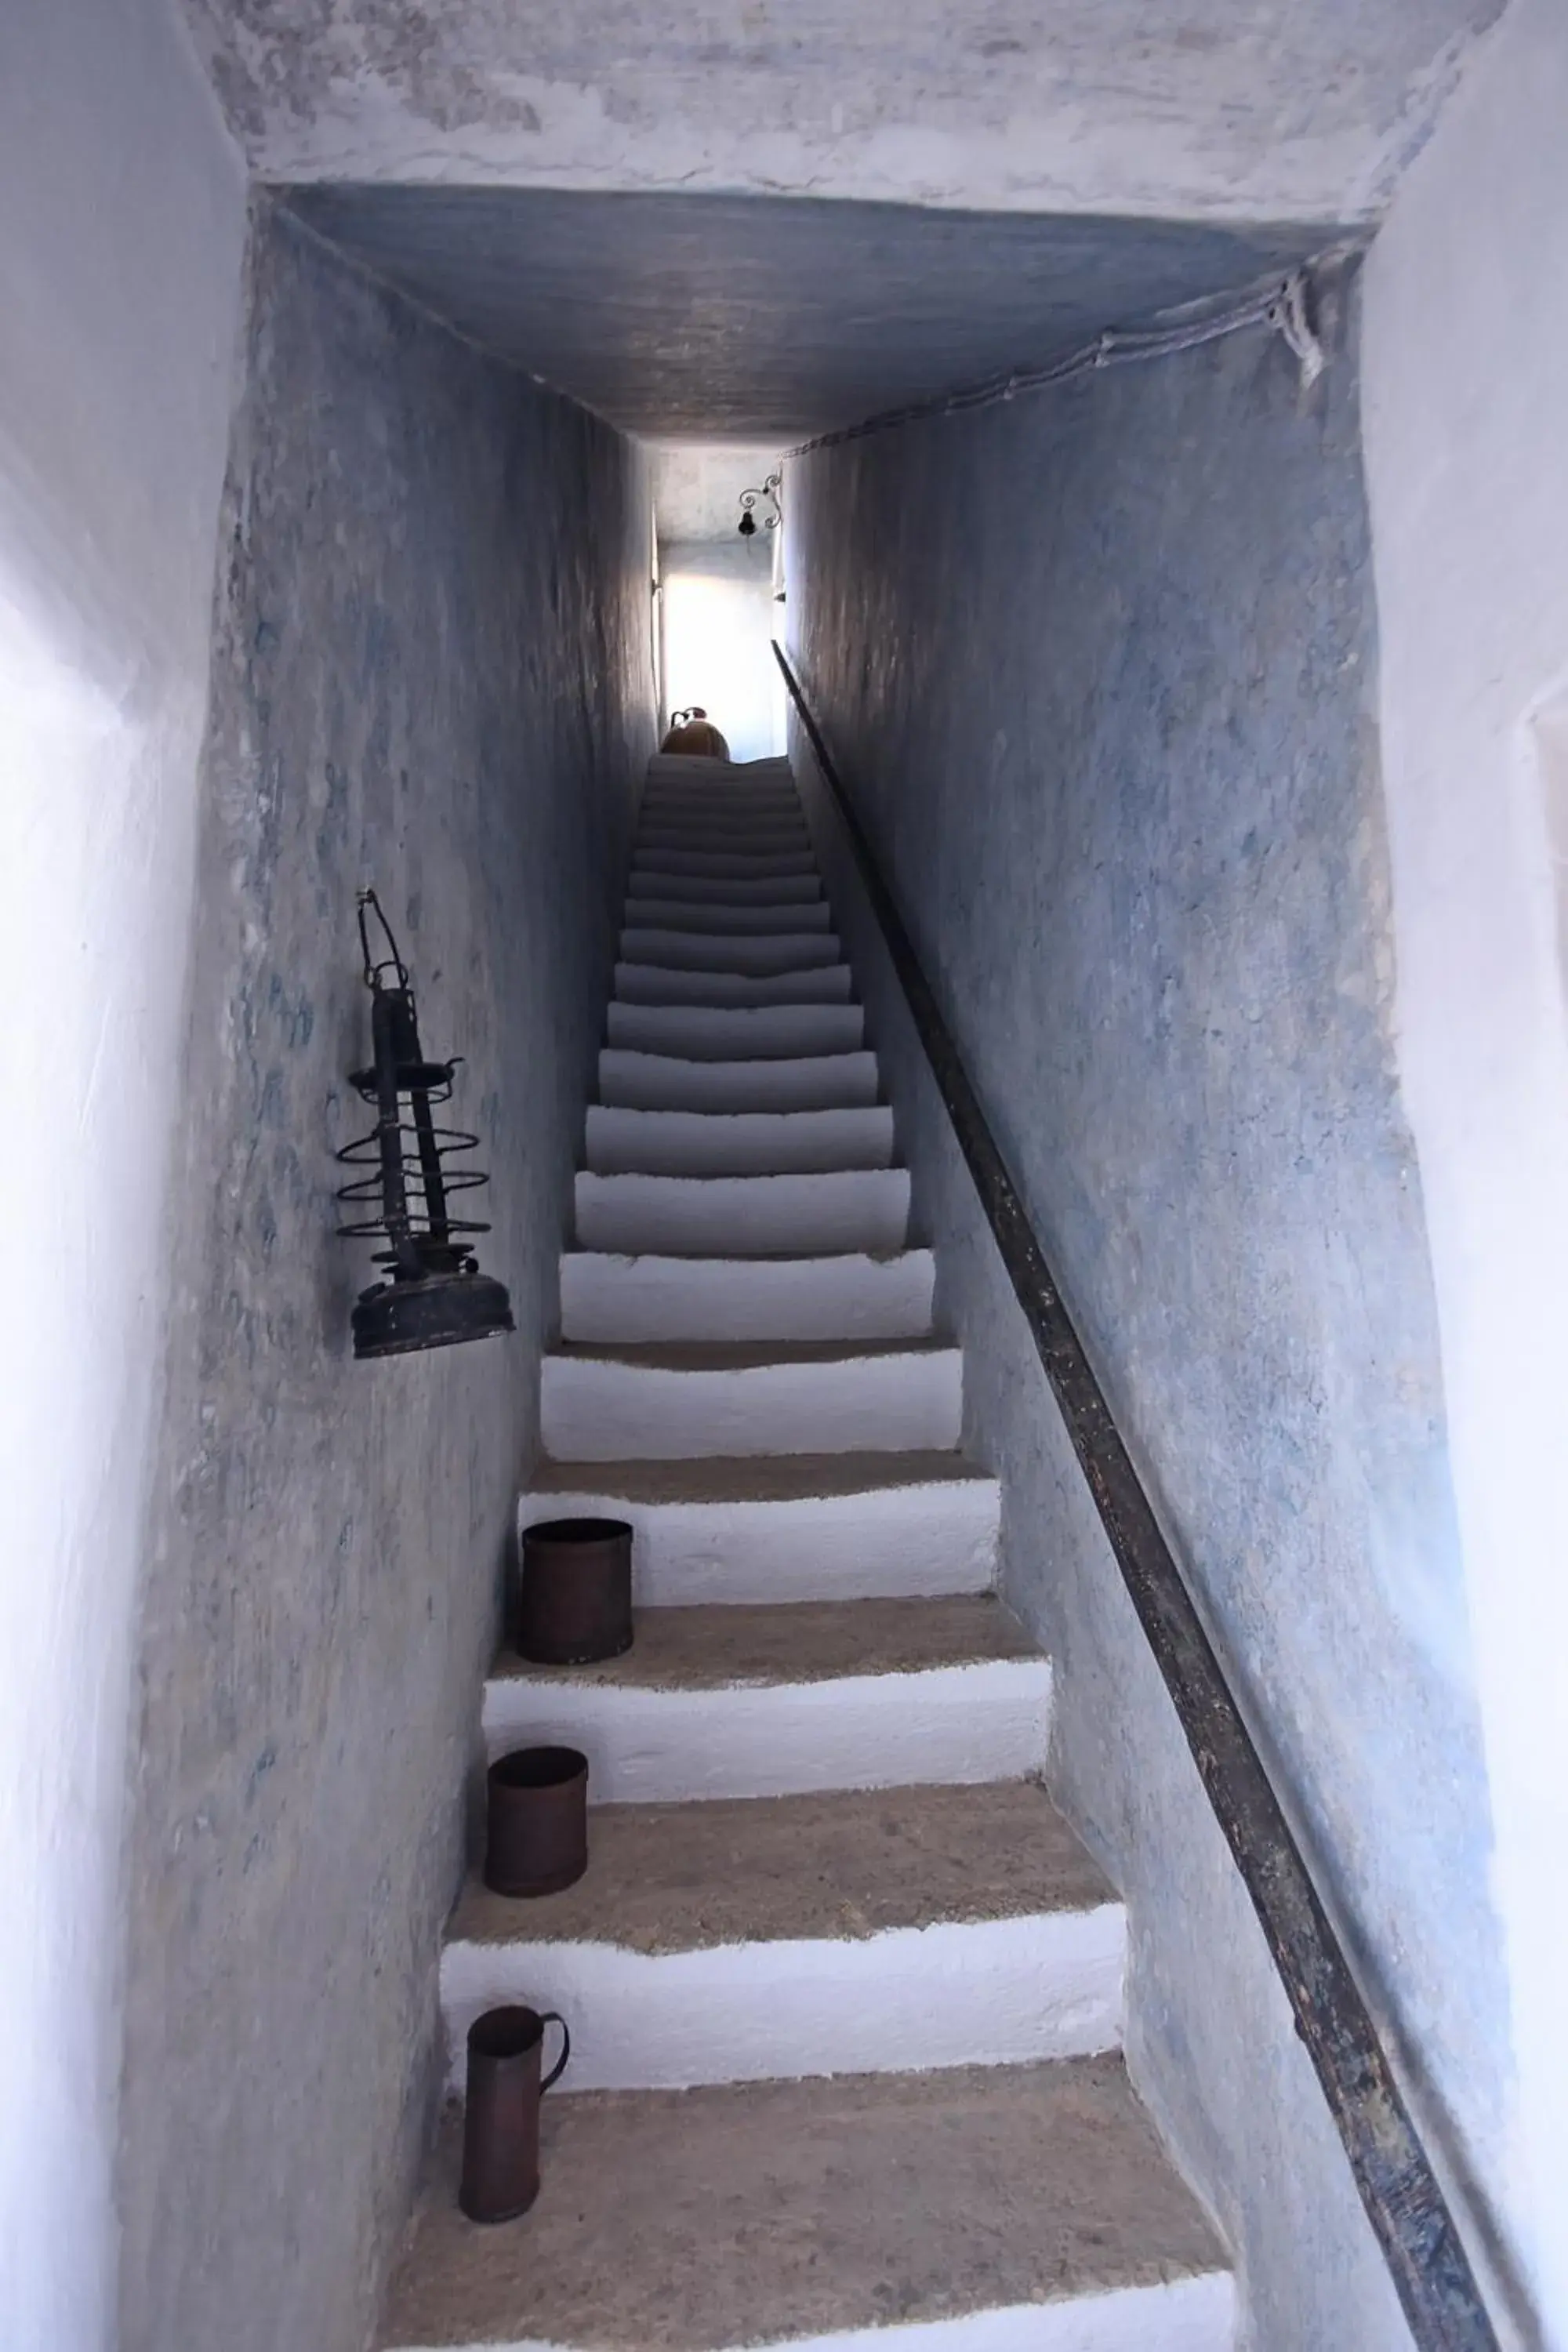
x: 725, y: 792
x: 787, y: 1526
x: 662, y: 1082
x: 643, y: 983
x: 808, y: 1935
x: 702, y: 1033
x: 735, y: 777
x: 732, y: 865
x: 703, y: 889
x: 764, y: 806
x: 717, y: 828
x: 745, y: 1216
x: 780, y: 1699
x: 646, y: 1299
x: 666, y: 811
x: 737, y: 1143
x: 730, y: 952
x: 714, y: 841
x: 737, y: 788
x: 648, y: 914
x: 998, y: 2209
x: 703, y: 1397
x: 680, y: 766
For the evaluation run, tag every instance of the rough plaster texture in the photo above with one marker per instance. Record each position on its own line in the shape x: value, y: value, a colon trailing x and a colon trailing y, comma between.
x: 1114, y: 747
x: 696, y: 485
x: 432, y: 672
x: 114, y: 405
x: 1467, y: 354
x: 1214, y: 108
x: 754, y: 318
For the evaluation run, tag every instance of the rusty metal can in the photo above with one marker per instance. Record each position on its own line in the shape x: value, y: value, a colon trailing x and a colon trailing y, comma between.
x: 574, y: 1599
x: 500, y: 2120
x: 536, y: 1837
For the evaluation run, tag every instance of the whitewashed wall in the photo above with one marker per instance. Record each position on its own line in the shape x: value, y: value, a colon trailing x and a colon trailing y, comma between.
x: 121, y: 226
x: 718, y: 620
x: 1467, y: 448
x: 697, y: 487
x: 717, y: 611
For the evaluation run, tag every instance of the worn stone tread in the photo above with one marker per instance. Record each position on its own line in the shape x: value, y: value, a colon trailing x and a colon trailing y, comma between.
x: 718, y: 1645
x: 842, y: 1865
x: 759, y: 2213
x: 753, y: 1477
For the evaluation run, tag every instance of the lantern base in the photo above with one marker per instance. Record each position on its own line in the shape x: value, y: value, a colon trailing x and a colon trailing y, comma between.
x: 440, y: 1310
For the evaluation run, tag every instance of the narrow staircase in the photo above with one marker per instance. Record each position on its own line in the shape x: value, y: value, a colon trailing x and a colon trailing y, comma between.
x: 845, y: 1991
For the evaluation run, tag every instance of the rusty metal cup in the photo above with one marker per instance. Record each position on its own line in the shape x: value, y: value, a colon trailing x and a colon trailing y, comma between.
x: 500, y: 2120
x: 574, y: 1599
x: 537, y: 1820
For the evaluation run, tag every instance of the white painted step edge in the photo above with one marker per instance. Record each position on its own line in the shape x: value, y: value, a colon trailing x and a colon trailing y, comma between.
x: 758, y: 781
x: 702, y: 1033
x: 983, y: 1992
x: 923, y: 1542
x: 652, y: 843
x: 694, y: 763
x: 758, y: 822
x: 597, y: 1409
x: 689, y: 792
x: 766, y: 788
x: 642, y: 983
x: 774, y: 789
x: 720, y: 828
x: 1188, y: 2314
x: 737, y: 1143
x: 722, y: 890
x: 705, y: 951
x: 634, y: 1081
x: 651, y: 1298
x: 730, y: 864
x: 732, y: 917
x: 698, y: 823
x: 947, y: 1726
x: 745, y: 1216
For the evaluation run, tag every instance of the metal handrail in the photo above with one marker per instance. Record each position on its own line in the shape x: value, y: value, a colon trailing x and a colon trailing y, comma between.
x: 1397, y: 2181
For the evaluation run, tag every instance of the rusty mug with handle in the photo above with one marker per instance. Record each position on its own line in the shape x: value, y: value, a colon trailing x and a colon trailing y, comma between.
x: 500, y: 2119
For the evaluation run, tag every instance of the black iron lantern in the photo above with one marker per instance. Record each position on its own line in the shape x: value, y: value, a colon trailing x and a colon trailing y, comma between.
x: 433, y: 1296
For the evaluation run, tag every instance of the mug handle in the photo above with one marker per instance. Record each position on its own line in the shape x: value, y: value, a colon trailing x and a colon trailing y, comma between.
x: 554, y: 2017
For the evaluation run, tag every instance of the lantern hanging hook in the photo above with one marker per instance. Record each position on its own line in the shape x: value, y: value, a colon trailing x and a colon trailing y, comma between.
x: 369, y: 905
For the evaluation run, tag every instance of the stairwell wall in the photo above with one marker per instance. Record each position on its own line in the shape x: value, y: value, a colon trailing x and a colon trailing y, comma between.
x: 121, y: 236
x: 1099, y: 666
x: 431, y: 673
x: 1466, y: 357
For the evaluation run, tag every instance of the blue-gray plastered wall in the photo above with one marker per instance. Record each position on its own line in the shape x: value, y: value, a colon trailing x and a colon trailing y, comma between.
x: 1097, y: 666
x: 432, y: 672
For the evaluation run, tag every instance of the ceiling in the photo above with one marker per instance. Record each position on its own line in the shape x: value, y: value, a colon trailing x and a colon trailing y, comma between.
x: 762, y: 219
x: 770, y: 320
x: 1217, y: 110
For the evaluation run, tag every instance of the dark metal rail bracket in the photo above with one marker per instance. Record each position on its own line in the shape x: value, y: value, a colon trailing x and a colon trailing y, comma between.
x: 1399, y: 2187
